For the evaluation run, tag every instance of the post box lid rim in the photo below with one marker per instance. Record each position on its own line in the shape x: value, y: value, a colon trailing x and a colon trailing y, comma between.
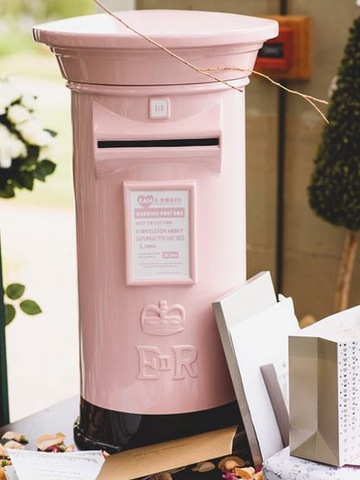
x: 174, y: 28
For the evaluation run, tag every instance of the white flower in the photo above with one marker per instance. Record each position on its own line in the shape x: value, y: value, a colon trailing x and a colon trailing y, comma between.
x: 5, y: 161
x: 5, y: 157
x: 4, y: 133
x: 18, y: 114
x: 9, y: 93
x: 28, y: 101
x: 50, y: 152
x: 10, y: 147
x: 16, y: 147
x: 32, y: 132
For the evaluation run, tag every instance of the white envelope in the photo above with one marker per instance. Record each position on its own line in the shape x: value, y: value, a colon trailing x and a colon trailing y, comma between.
x: 30, y: 465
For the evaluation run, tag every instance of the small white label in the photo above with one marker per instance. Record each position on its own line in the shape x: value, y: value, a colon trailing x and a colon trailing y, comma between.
x: 160, y: 234
x: 159, y: 108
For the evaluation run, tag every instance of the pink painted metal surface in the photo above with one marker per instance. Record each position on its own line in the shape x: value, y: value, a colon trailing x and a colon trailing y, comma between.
x: 160, y: 203
x: 98, y: 49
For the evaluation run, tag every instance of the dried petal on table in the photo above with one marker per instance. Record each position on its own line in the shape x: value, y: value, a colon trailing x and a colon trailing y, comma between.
x: 3, y: 452
x: 53, y: 443
x: 258, y: 476
x: 230, y: 462
x: 247, y: 472
x: 18, y: 437
x: 176, y: 470
x: 14, y: 445
x: 230, y: 476
x: 203, y: 467
x: 161, y: 476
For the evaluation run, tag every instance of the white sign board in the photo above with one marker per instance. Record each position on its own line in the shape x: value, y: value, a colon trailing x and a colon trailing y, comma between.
x: 159, y: 234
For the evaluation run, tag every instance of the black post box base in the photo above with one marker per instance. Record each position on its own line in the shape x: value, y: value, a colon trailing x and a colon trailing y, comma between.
x: 99, y: 428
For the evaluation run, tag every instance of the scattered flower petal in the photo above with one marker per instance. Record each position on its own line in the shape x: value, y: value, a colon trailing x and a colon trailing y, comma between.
x: 18, y: 437
x: 247, y: 472
x: 14, y: 445
x: 230, y: 462
x: 204, y: 467
x: 229, y: 476
x: 161, y: 476
x: 258, y: 475
x: 50, y: 442
x: 3, y: 452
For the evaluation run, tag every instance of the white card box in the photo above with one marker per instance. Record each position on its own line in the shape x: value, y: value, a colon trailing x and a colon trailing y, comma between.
x: 283, y: 466
x: 254, y: 330
x: 325, y: 390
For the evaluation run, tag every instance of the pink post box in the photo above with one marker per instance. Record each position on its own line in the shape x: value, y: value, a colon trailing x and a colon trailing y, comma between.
x: 159, y: 168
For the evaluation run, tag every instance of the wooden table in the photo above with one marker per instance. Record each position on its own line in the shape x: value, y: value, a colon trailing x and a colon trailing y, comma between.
x: 58, y: 418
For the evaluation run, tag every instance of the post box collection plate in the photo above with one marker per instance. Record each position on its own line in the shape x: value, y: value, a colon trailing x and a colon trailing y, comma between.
x: 159, y: 174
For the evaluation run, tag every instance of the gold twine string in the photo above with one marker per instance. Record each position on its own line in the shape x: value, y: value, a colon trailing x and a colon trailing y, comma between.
x: 308, y: 98
x: 206, y: 71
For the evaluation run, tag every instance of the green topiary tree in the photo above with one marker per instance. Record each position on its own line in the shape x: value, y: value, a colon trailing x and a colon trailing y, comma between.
x: 334, y: 190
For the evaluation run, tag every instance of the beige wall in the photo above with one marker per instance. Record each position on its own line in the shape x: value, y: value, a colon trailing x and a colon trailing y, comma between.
x: 311, y: 247
x: 261, y: 99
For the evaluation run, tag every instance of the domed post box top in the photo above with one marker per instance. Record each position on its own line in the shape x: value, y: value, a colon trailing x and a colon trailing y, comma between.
x: 98, y: 49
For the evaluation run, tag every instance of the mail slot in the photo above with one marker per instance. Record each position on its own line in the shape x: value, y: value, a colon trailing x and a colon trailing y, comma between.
x: 159, y: 171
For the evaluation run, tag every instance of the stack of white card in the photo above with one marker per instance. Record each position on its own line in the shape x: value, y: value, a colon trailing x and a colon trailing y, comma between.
x: 28, y: 465
x: 254, y: 328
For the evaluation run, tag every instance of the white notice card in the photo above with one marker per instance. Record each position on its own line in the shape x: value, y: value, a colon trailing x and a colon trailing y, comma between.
x: 30, y: 465
x: 160, y: 234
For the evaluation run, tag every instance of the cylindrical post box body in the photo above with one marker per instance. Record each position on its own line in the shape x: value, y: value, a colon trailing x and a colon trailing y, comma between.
x: 160, y: 205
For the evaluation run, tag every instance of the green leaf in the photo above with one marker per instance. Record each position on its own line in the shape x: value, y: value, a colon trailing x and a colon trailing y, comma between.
x: 7, y: 192
x: 30, y: 307
x: 33, y: 153
x: 15, y: 291
x: 25, y: 180
x: 10, y: 313
x: 52, y: 133
x: 44, y: 168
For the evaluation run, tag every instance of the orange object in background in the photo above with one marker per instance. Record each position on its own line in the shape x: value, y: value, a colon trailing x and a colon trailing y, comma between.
x: 277, y: 53
x: 288, y: 56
